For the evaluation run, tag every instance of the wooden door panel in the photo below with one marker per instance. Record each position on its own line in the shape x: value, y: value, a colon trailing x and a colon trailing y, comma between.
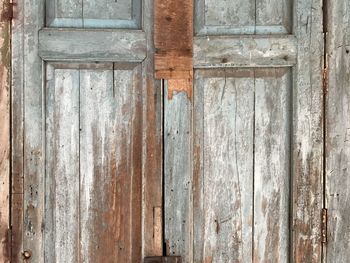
x: 244, y: 185
x: 268, y: 56
x: 93, y: 181
x: 226, y: 17
x: 91, y: 142
x: 94, y: 14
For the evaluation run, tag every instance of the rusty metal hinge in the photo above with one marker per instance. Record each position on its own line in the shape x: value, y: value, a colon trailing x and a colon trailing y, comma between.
x: 163, y: 260
x: 7, y: 11
x: 324, y: 225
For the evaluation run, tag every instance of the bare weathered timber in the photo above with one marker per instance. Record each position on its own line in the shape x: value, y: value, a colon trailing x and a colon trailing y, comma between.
x: 178, y: 175
x: 152, y: 145
x: 307, y: 134
x: 110, y: 164
x: 173, y: 39
x: 338, y: 132
x: 5, y: 61
x: 86, y: 45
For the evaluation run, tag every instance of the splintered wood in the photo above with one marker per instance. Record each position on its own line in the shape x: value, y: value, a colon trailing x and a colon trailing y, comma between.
x: 173, y: 39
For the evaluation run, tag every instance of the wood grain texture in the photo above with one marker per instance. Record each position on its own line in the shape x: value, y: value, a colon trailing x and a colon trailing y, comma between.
x: 307, y: 134
x: 17, y: 133
x: 173, y: 40
x: 110, y: 165
x: 61, y: 242
x: 5, y: 62
x: 248, y: 51
x: 152, y: 144
x: 338, y: 132
x: 178, y: 175
x: 92, y: 45
x: 33, y: 147
x: 272, y: 166
x: 223, y: 166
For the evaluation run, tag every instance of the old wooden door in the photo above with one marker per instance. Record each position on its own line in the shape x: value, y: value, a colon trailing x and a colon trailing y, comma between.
x: 243, y: 158
x: 86, y: 152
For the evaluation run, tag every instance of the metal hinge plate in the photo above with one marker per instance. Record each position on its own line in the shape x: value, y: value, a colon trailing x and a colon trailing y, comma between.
x: 324, y: 225
x: 7, y: 11
x: 163, y: 260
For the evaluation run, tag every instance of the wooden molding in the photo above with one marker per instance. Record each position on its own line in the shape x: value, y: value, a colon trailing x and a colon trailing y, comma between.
x: 173, y: 39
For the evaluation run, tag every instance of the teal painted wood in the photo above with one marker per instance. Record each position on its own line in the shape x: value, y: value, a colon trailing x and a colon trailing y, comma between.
x: 338, y: 132
x: 94, y: 14
x: 243, y: 17
x: 249, y: 51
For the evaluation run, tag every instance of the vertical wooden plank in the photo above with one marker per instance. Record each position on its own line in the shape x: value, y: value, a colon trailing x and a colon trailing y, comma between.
x: 17, y: 132
x: 5, y: 61
x: 110, y: 168
x: 307, y: 136
x: 33, y: 134
x: 338, y: 132
x: 272, y: 165
x: 223, y: 181
x: 152, y: 144
x: 62, y: 166
x: 178, y: 175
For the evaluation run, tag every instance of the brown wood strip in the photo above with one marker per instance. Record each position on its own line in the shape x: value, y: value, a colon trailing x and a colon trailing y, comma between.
x: 4, y: 135
x: 173, y: 39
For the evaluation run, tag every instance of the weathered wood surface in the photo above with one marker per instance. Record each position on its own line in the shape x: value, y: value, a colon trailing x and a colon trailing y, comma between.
x: 5, y: 62
x: 93, y: 14
x: 338, y: 133
x: 62, y: 166
x: 143, y: 180
x: 240, y: 51
x: 223, y: 166
x: 33, y: 137
x: 272, y: 165
x: 152, y: 145
x: 177, y: 175
x: 110, y: 165
x: 173, y: 40
x: 293, y: 179
x: 226, y: 17
x: 307, y: 133
x: 92, y: 45
x: 17, y: 133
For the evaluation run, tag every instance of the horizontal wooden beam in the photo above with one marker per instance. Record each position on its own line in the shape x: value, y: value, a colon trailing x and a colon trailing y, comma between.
x: 163, y: 260
x: 92, y: 45
x: 245, y: 51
